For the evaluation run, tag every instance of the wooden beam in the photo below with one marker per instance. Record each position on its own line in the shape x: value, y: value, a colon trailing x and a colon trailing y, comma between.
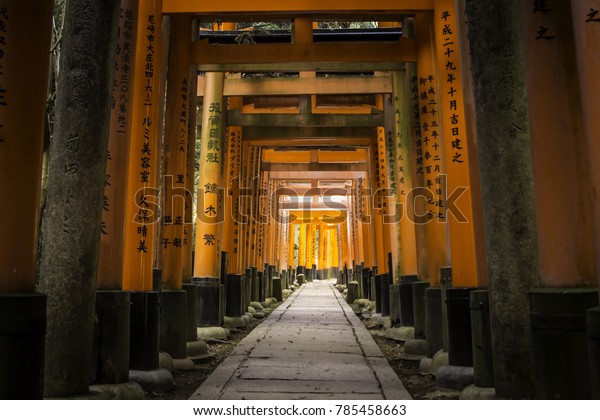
x: 305, y: 86
x: 338, y: 67
x: 294, y: 8
x: 327, y: 167
x: 326, y: 52
x: 318, y: 175
x: 283, y: 143
x: 309, y: 133
x: 304, y: 120
x: 321, y: 192
x: 323, y: 156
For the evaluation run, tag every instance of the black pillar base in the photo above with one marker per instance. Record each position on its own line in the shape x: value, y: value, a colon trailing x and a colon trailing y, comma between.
x: 433, y: 328
x: 191, y: 334
x: 233, y: 305
x: 254, y: 296
x: 407, y: 315
x: 22, y: 341
x: 352, y: 292
x: 394, y: 295
x: 277, y: 288
x: 377, y: 285
x: 385, y: 294
x: 560, y: 343
x: 593, y: 333
x: 173, y: 323
x: 419, y: 308
x: 247, y: 281
x: 110, y: 350
x: 481, y: 333
x: 460, y: 344
x: 261, y: 285
x: 143, y: 341
x: 208, y: 301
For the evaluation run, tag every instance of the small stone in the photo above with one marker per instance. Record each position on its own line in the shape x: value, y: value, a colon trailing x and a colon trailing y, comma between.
x: 205, y: 333
x: 400, y: 334
x: 473, y: 392
x: 165, y: 361
x: 256, y: 305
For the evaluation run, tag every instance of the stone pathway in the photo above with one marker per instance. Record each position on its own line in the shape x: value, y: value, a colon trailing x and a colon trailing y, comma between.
x: 312, y: 347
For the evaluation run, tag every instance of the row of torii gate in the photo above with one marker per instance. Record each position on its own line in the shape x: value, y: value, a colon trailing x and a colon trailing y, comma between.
x: 473, y: 147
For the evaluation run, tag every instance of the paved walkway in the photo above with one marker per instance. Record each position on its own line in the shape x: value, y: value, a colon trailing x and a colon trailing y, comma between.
x: 311, y: 347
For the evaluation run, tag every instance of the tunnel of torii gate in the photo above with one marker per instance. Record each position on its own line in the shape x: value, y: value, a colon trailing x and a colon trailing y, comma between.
x: 445, y: 170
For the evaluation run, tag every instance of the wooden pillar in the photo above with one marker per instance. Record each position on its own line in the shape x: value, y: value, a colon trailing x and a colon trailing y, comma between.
x: 558, y: 146
x: 352, y: 240
x: 367, y: 222
x: 271, y: 224
x: 210, y: 185
x: 143, y: 212
x: 344, y: 244
x: 302, y: 246
x: 23, y: 84
x: 456, y: 204
x: 321, y: 254
x: 231, y: 227
x: 311, y: 244
x: 112, y: 244
x: 404, y: 175
x: 290, y: 244
x: 416, y: 205
x: 176, y: 154
x: 505, y: 173
x: 262, y: 209
x: 333, y: 247
x: 382, y: 197
x: 376, y: 201
x: 24, y: 56
x: 245, y: 217
x: 253, y: 204
x: 586, y: 26
x: 429, y: 138
x: 358, y: 236
x: 190, y: 174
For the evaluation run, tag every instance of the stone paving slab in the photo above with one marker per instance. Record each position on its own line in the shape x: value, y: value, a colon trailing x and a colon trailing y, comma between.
x: 298, y: 396
x: 319, y: 372
x: 302, y: 386
x: 307, y: 345
x: 310, y: 347
x: 306, y: 361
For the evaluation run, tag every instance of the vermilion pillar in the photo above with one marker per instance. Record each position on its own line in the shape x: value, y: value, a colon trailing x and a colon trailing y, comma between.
x: 407, y: 254
x: 231, y: 228
x: 143, y: 210
x: 457, y: 205
x: 430, y: 141
x: 112, y: 240
x: 302, y: 246
x: 176, y: 153
x: 210, y: 187
x: 586, y: 27
x: 558, y: 146
x: 24, y: 55
x: 23, y: 83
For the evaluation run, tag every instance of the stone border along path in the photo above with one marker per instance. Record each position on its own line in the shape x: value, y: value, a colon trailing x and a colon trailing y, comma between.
x: 312, y: 347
